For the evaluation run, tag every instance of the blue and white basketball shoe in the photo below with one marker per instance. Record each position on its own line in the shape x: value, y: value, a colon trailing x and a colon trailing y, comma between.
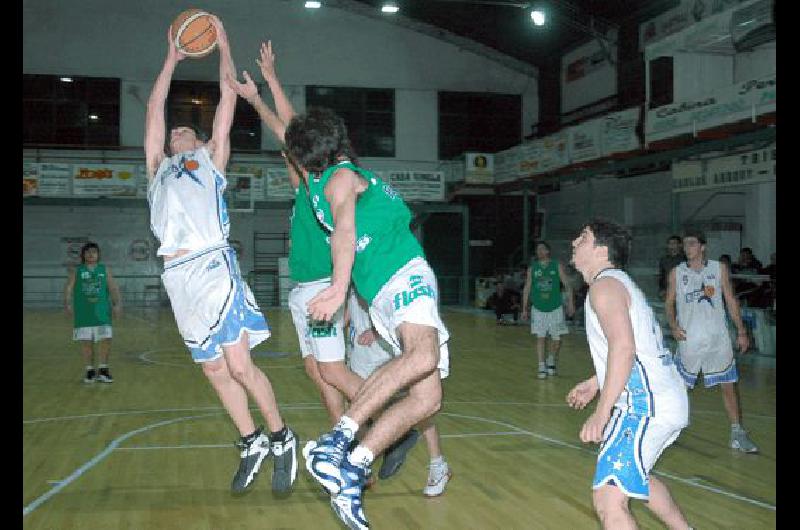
x: 348, y: 504
x: 324, y: 458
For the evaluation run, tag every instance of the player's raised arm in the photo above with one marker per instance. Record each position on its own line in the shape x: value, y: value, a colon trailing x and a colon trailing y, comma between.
x: 266, y: 62
x: 155, y: 129
x: 220, y: 144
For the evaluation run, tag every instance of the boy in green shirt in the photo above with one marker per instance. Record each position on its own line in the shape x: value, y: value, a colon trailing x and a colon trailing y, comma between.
x: 543, y: 284
x: 86, y: 297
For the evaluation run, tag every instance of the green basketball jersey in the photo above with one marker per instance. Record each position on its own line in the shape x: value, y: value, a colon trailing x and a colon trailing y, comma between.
x: 384, y: 242
x: 90, y: 298
x: 310, y: 253
x: 545, y: 285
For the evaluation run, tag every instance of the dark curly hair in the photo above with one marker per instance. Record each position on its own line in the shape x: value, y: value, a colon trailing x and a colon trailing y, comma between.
x: 317, y: 138
x: 86, y: 247
x: 614, y: 236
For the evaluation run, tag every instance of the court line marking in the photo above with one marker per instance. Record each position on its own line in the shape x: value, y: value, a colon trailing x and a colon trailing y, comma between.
x: 311, y: 405
x: 115, y: 443
x: 144, y: 357
x: 299, y: 441
x: 690, y: 482
x: 75, y: 475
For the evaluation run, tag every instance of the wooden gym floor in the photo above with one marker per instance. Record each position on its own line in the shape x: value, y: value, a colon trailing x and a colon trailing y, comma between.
x: 154, y: 449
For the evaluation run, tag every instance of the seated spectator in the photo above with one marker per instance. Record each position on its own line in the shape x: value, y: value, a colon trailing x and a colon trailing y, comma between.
x: 748, y: 263
x: 669, y: 261
x: 726, y: 259
x: 504, y: 302
x: 747, y: 292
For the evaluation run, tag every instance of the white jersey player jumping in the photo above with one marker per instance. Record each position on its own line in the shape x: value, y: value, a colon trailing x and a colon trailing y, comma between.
x: 643, y: 403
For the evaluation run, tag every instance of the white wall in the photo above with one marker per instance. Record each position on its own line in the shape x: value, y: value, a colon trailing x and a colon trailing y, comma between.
x: 592, y: 87
x: 329, y: 46
x: 759, y: 62
x: 695, y: 75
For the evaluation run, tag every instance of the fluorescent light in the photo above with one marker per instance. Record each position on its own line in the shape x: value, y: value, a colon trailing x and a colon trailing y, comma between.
x: 538, y: 17
x: 94, y: 117
x: 390, y: 7
x: 66, y: 79
x: 310, y: 4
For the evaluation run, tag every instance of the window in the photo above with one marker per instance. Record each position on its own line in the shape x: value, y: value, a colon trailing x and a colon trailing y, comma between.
x: 367, y: 112
x: 661, y: 81
x: 70, y: 111
x: 195, y: 102
x: 478, y: 122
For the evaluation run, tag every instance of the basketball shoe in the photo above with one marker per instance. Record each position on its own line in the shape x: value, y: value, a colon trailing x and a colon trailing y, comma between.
x: 438, y: 477
x: 90, y: 376
x: 348, y: 503
x: 742, y: 442
x: 324, y: 458
x: 395, y: 455
x: 104, y: 376
x: 284, y: 471
x: 254, y: 449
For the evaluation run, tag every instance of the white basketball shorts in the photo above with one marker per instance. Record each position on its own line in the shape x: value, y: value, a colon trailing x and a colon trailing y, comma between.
x: 323, y: 340
x: 550, y: 322
x: 411, y: 295
x: 92, y: 333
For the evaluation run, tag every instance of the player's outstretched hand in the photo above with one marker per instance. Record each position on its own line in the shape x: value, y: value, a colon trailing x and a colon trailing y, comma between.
x: 266, y: 60
x: 172, y: 51
x: 678, y: 333
x: 592, y: 430
x: 326, y: 303
x: 247, y: 90
x: 582, y: 394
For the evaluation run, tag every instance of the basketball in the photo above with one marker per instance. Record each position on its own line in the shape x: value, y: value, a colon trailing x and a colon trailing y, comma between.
x: 193, y: 33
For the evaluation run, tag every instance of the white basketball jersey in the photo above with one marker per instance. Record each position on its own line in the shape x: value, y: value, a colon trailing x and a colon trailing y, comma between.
x: 187, y: 210
x: 698, y: 298
x: 654, y: 387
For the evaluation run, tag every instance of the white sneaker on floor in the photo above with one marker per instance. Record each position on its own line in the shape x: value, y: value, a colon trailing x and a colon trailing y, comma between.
x: 742, y: 442
x: 438, y: 477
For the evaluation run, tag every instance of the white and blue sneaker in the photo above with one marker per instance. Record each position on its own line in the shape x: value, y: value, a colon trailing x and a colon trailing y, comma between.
x: 347, y: 504
x: 324, y: 458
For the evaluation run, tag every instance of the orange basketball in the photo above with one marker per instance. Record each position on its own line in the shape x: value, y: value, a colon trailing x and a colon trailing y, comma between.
x: 193, y: 33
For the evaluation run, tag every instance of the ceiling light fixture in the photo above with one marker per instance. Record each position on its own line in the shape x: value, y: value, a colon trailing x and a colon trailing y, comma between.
x: 66, y: 79
x: 538, y: 17
x: 310, y: 4
x: 390, y: 7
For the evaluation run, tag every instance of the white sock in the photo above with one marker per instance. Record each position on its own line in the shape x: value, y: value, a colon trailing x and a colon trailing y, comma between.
x: 551, y: 360
x: 438, y: 461
x: 541, y: 367
x: 361, y: 456
x: 89, y: 367
x: 736, y: 427
x: 347, y: 424
x: 102, y: 365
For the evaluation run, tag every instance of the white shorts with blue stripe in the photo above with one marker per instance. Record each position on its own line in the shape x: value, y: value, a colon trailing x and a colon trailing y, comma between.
x: 631, y: 446
x: 212, y: 304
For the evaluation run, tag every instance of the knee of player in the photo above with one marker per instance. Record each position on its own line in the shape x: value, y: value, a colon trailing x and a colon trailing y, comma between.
x: 241, y: 371
x: 312, y: 371
x: 608, y: 501
x: 215, y: 369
